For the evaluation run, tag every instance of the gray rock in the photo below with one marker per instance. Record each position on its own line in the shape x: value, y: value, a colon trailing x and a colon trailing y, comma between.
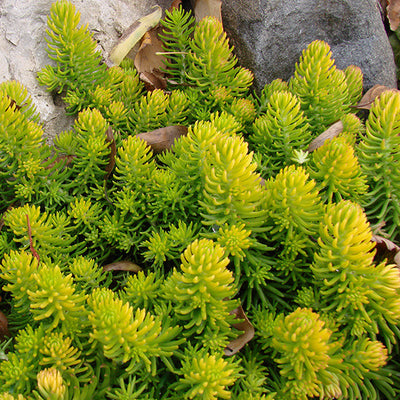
x: 269, y: 36
x: 23, y: 45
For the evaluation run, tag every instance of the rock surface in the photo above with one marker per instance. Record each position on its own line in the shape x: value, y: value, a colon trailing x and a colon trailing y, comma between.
x: 269, y: 36
x: 23, y: 45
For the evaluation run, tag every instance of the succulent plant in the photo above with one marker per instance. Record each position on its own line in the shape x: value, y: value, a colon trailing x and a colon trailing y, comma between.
x: 322, y: 89
x: 378, y: 154
x: 73, y: 49
x: 336, y: 168
x: 206, y: 376
x: 201, y: 292
x: 122, y: 270
x: 280, y: 131
x: 350, y: 285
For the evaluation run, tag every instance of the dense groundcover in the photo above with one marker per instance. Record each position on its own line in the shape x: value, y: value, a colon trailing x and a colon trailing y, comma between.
x: 191, y: 239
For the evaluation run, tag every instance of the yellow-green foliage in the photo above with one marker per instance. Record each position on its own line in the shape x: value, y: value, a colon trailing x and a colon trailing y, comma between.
x: 201, y: 291
x: 292, y: 225
x: 379, y: 157
x: 17, y: 270
x: 322, y: 89
x: 280, y: 131
x: 128, y: 335
x: 336, y: 168
x: 21, y: 145
x: 304, y: 350
x: 73, y: 49
x: 362, y: 296
x: 122, y: 270
x: 207, y: 376
x: 231, y: 193
x: 211, y: 62
x: 51, y: 384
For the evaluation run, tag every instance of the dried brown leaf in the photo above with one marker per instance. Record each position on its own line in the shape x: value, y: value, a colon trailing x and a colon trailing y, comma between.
x: 396, y: 259
x: 122, y: 266
x: 175, y: 4
x: 393, y: 13
x: 133, y: 35
x: 163, y: 138
x: 66, y: 158
x: 3, y: 327
x: 330, y: 133
x: 204, y: 8
x: 248, y: 332
x: 153, y: 80
x: 148, y: 60
x: 369, y: 97
x: 386, y: 249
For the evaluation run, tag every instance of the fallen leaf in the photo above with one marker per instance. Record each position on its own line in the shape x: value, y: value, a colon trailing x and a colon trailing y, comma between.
x: 383, y: 4
x: 175, y: 4
x: 149, y: 62
x: 369, y: 97
x: 330, y: 133
x: 153, y: 80
x: 133, y: 35
x: 67, y: 158
x: 122, y: 266
x: 393, y: 13
x: 235, y: 345
x: 386, y: 249
x: 207, y: 8
x: 3, y: 327
x: 163, y: 138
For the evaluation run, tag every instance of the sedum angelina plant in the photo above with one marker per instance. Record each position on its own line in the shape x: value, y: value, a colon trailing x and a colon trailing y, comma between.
x: 23, y: 166
x: 350, y: 285
x: 204, y: 67
x: 201, y: 292
x: 291, y: 114
x: 337, y: 169
x: 312, y: 362
x: 122, y: 270
x: 279, y: 131
x: 292, y: 227
x: 325, y: 92
x: 206, y: 376
x: 379, y: 156
x: 210, y: 77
